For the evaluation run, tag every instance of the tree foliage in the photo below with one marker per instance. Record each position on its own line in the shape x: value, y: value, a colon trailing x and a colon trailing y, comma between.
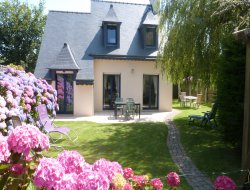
x: 21, y: 28
x: 192, y: 31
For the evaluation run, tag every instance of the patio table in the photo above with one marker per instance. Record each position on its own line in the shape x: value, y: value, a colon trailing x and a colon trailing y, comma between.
x: 118, y: 103
x: 190, y: 98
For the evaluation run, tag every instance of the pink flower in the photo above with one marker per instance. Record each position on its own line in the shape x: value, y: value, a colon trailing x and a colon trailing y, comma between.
x: 48, y: 174
x: 4, y: 149
x: 173, y: 179
x: 224, y: 183
x: 108, y: 168
x: 127, y: 186
x: 17, y: 169
x: 156, y: 184
x: 72, y: 161
x: 140, y: 180
x: 128, y: 173
x: 27, y: 137
x: 68, y: 182
x: 93, y: 180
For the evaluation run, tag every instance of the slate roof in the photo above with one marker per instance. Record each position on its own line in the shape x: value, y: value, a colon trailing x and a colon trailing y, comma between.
x: 65, y: 60
x: 82, y: 32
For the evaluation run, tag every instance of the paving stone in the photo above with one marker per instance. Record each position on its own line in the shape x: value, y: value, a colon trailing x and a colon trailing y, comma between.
x: 196, y: 179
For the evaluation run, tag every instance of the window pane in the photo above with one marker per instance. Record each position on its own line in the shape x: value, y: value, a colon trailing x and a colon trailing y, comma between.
x: 150, y: 36
x: 112, y: 33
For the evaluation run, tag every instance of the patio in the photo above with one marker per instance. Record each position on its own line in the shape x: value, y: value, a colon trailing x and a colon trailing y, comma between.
x: 108, y: 117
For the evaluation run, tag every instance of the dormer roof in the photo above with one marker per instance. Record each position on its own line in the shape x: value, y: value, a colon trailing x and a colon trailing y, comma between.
x: 111, y: 15
x: 65, y: 60
x: 150, y: 18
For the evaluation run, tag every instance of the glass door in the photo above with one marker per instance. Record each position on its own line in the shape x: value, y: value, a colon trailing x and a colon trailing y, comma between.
x: 150, y: 91
x: 65, y: 94
x: 111, y: 90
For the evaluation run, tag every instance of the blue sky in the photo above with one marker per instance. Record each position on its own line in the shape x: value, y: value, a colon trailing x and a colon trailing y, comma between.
x: 73, y: 5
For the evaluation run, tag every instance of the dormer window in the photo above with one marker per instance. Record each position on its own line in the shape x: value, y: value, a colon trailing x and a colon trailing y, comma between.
x: 112, y: 35
x: 111, y: 29
x: 149, y: 31
x: 149, y: 37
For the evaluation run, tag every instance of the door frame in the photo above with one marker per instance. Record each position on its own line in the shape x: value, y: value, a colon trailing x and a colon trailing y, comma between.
x: 158, y: 90
x: 65, y: 93
x: 103, y: 89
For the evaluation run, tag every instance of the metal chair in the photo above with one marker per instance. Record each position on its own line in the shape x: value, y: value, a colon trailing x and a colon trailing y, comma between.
x: 49, y: 127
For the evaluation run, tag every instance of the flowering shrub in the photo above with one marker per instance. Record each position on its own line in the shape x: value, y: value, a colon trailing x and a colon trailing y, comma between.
x: 26, y: 138
x: 4, y: 149
x: 173, y: 179
x: 19, y: 154
x: 224, y: 183
x: 21, y: 93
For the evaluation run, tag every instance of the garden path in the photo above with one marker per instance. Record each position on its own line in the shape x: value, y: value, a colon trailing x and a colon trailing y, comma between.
x: 196, y: 179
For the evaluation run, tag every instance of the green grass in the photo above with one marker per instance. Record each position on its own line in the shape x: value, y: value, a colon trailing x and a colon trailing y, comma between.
x: 141, y: 146
x: 205, y: 146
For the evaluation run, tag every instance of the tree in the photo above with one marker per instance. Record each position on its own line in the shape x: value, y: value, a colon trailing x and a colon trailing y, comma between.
x: 192, y: 34
x: 21, y: 28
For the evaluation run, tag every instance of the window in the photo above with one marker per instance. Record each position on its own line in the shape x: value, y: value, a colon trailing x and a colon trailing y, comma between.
x: 111, y: 35
x: 149, y: 36
x: 150, y: 91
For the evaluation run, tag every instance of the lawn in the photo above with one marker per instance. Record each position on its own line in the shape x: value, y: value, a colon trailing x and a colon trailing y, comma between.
x: 141, y: 146
x: 205, y: 147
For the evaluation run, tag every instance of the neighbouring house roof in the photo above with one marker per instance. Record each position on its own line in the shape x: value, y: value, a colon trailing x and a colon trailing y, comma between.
x: 84, y: 37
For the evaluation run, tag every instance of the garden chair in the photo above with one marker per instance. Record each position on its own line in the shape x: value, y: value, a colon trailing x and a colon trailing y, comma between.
x: 183, y: 101
x: 206, y: 118
x: 16, y: 121
x: 118, y: 107
x: 197, y: 102
x: 129, y: 109
x: 49, y: 127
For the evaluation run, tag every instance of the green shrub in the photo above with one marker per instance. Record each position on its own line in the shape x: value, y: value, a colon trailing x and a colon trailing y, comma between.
x: 230, y: 90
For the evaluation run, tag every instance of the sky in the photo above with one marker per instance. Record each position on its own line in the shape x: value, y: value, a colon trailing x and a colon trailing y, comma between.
x: 73, y: 5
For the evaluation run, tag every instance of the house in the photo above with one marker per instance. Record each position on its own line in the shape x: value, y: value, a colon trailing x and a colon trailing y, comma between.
x: 92, y: 58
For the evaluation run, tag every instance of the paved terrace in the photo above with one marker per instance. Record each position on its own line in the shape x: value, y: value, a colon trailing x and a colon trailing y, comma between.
x: 196, y: 179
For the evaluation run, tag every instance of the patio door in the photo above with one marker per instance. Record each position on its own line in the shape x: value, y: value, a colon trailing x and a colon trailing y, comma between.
x: 111, y: 90
x: 150, y: 91
x: 65, y: 94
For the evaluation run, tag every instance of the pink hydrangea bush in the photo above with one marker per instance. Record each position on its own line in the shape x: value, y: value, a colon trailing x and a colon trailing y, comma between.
x: 108, y: 168
x: 21, y: 93
x: 48, y: 174
x: 26, y: 138
x: 173, y: 179
x: 156, y: 184
x: 72, y: 161
x: 128, y: 173
x: 19, y: 155
x: 224, y: 183
x: 4, y: 149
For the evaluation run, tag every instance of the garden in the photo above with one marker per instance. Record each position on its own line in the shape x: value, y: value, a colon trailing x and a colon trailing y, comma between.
x: 117, y: 156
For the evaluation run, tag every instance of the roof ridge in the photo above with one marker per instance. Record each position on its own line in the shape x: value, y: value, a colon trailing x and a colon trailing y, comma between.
x: 105, y: 1
x: 76, y: 12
